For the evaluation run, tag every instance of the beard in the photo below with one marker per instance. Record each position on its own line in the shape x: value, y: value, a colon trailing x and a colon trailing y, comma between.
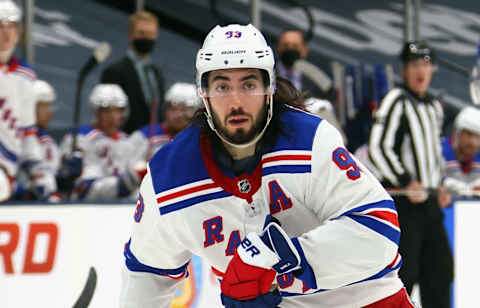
x: 240, y: 135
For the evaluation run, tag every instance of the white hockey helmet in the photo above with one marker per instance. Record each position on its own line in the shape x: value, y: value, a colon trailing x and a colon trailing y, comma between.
x: 468, y: 119
x: 10, y: 11
x: 44, y: 92
x: 235, y: 46
x: 316, y: 105
x: 108, y: 95
x: 182, y: 92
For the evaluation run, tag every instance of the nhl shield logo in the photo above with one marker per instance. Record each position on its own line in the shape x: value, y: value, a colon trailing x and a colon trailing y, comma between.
x: 244, y: 186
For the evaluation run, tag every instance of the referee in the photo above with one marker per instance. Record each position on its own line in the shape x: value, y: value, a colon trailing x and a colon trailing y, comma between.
x: 405, y: 147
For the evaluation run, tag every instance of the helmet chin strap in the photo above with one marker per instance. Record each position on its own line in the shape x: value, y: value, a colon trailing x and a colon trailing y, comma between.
x: 239, y: 145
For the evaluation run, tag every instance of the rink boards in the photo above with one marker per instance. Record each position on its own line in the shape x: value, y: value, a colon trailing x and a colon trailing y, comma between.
x: 46, y: 253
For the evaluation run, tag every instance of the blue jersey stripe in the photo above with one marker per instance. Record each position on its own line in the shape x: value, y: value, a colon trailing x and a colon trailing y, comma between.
x: 134, y: 265
x: 287, y: 169
x: 384, y: 272
x: 7, y: 154
x: 380, y: 274
x: 371, y: 223
x: 307, y: 275
x: 378, y: 227
x: 192, y: 201
x: 387, y: 204
x: 289, y: 294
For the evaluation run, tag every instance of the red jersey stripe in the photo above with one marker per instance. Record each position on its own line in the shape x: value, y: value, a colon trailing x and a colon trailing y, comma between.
x: 286, y: 157
x: 384, y: 215
x: 187, y: 191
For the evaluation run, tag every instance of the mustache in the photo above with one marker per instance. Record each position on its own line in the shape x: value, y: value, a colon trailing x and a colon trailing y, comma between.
x: 235, y: 112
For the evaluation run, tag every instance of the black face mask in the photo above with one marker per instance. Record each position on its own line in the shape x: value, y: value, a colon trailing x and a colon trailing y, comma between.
x: 289, y: 56
x: 144, y: 45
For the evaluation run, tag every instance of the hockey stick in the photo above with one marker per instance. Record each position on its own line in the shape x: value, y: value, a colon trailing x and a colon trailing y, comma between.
x: 406, y: 192
x: 153, y: 118
x: 100, y: 53
x: 315, y: 74
x: 87, y: 293
x: 338, y: 72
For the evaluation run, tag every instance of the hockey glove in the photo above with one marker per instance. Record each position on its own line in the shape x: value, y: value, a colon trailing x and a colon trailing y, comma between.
x: 274, y: 247
x: 71, y: 167
x: 268, y: 300
x: 249, y: 274
x: 244, y: 282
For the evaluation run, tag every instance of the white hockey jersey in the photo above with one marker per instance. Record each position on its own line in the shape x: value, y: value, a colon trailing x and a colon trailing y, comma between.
x: 85, y: 133
x: 46, y: 170
x: 105, y: 160
x: 462, y: 179
x: 143, y: 143
x: 18, y: 140
x: 343, y: 220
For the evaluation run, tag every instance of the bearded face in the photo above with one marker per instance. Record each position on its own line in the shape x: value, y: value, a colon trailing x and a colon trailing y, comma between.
x: 240, y: 135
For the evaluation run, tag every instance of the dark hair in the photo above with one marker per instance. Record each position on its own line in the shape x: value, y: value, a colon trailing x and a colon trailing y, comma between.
x: 285, y: 95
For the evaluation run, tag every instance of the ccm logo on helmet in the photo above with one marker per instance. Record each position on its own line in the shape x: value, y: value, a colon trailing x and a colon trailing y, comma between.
x: 232, y: 52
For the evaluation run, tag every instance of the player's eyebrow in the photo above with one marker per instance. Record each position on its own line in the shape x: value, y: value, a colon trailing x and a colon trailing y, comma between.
x: 226, y: 78
x: 220, y: 77
x: 250, y: 76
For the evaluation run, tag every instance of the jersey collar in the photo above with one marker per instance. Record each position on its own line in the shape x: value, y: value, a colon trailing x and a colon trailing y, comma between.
x: 243, y: 186
x: 11, y: 66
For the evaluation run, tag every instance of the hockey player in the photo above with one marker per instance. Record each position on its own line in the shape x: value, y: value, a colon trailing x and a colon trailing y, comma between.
x: 43, y: 185
x: 108, y: 172
x: 462, y: 168
x: 18, y: 141
x: 265, y: 193
x: 181, y: 102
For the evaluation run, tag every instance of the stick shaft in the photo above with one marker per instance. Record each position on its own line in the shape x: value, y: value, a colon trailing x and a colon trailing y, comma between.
x: 87, y: 293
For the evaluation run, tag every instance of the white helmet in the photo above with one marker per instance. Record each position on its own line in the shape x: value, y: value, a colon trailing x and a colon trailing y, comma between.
x: 182, y: 92
x: 235, y: 46
x: 9, y: 11
x: 44, y: 92
x: 468, y: 119
x: 108, y: 95
x: 316, y: 105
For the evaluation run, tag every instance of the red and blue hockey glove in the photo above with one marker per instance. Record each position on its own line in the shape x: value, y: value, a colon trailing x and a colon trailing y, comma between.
x: 256, y: 262
x: 268, y: 300
x: 244, y: 282
x: 272, y: 248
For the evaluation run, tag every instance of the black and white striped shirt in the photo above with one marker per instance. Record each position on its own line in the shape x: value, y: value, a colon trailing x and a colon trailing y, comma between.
x: 404, y: 141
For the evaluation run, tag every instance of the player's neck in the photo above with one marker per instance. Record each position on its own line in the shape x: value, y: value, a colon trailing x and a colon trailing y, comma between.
x: 240, y: 153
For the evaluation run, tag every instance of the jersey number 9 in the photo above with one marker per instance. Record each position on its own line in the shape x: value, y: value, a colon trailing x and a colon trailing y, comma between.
x: 342, y: 158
